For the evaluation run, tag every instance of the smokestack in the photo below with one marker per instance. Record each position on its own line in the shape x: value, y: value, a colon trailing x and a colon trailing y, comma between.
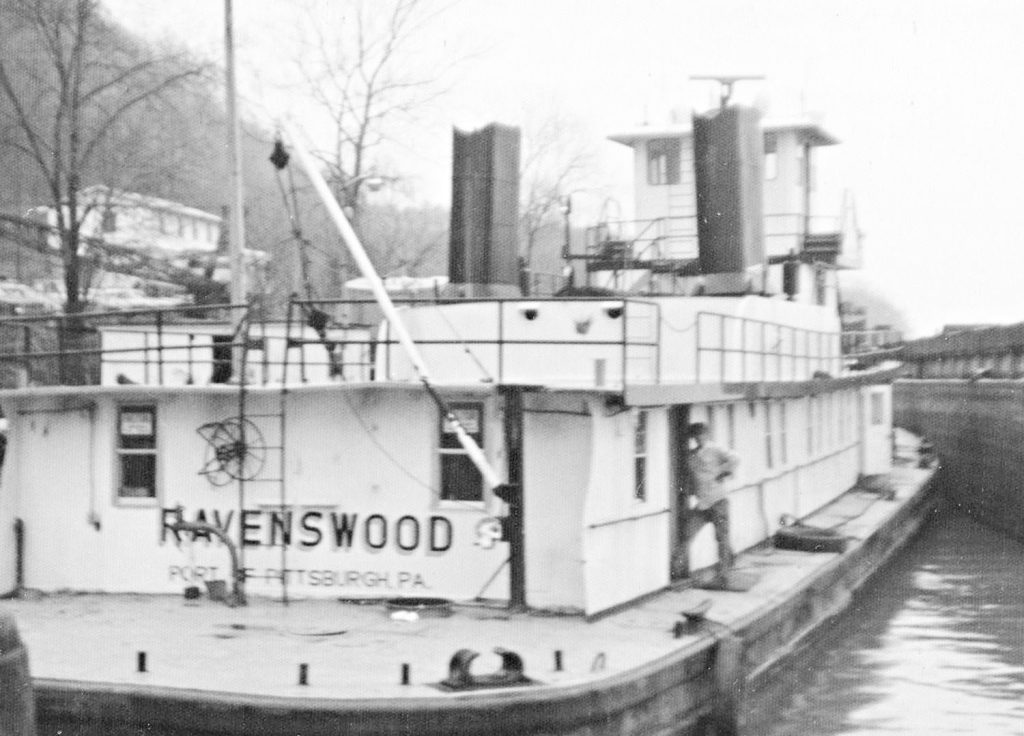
x: 483, y: 247
x: 728, y: 163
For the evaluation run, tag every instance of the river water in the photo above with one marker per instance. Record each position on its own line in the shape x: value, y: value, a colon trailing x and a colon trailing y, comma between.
x: 934, y: 645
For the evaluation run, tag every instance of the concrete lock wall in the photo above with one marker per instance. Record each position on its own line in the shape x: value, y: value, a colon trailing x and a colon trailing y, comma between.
x: 17, y: 704
x: 978, y: 431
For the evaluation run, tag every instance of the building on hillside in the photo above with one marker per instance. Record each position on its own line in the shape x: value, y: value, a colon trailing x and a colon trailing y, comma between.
x: 185, y: 237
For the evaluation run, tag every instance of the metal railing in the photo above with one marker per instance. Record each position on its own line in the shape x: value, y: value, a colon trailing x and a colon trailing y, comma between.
x: 67, y: 349
x: 746, y: 349
x: 866, y: 342
x: 625, y: 243
x: 193, y: 344
x: 494, y: 343
x: 500, y: 356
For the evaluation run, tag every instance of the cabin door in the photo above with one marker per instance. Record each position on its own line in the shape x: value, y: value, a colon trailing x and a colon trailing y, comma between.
x: 678, y: 421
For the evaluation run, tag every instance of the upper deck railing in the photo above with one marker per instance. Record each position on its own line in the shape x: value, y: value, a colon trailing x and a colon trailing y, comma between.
x: 606, y: 343
x: 868, y: 342
x: 740, y: 349
x: 625, y: 244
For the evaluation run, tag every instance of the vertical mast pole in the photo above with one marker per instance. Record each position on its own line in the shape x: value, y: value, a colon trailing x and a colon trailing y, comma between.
x: 236, y: 226
x: 236, y: 246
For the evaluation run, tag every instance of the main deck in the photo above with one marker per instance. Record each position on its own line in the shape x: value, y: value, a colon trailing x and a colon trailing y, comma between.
x: 215, y: 669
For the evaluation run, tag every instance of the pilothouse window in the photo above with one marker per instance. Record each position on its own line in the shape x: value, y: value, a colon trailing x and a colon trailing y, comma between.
x: 663, y: 161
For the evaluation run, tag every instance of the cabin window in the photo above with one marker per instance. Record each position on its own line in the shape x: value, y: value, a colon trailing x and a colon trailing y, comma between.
x: 782, y: 433
x: 663, y: 161
x: 460, y: 479
x: 841, y: 417
x: 136, y: 450
x: 820, y: 285
x: 640, y: 455
x: 877, y: 408
x: 730, y: 420
x: 769, y: 460
x: 810, y: 426
x: 771, y: 159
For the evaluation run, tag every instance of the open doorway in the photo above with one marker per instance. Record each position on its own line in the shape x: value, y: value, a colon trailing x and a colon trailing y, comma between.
x: 678, y: 423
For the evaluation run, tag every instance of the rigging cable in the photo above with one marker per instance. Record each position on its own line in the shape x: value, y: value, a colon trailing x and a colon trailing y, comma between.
x: 488, y: 378
x: 316, y: 318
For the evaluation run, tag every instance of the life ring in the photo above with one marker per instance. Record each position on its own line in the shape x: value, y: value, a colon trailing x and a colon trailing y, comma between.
x: 805, y: 538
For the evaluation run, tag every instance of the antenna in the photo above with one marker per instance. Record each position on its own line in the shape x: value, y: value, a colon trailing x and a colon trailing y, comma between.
x: 726, y: 82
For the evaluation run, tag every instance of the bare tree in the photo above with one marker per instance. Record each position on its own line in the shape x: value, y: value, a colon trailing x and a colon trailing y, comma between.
x: 71, y: 81
x: 555, y: 160
x: 361, y: 67
x: 408, y: 241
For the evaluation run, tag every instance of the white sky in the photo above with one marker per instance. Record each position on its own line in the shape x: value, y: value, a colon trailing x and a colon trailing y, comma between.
x: 924, y: 95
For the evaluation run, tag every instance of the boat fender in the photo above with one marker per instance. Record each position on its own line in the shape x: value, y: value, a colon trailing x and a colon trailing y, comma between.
x: 803, y: 538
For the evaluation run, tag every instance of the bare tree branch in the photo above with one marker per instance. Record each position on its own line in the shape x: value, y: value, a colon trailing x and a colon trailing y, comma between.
x: 87, y: 78
x: 358, y: 71
x: 554, y: 162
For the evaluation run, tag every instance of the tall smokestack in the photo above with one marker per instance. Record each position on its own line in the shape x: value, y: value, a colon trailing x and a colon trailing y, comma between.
x: 728, y: 163
x: 483, y: 247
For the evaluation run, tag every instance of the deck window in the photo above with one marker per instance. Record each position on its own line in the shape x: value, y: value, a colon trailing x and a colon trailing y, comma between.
x: 663, y: 161
x: 460, y: 480
x: 877, y: 408
x: 136, y: 450
x: 640, y: 455
x: 771, y: 159
x: 783, y: 454
x: 730, y: 418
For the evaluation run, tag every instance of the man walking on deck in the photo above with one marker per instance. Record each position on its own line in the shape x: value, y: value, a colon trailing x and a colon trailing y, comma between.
x: 709, y: 466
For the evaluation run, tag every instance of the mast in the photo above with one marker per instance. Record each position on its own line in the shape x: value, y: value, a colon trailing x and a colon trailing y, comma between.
x: 236, y: 247
x: 236, y: 226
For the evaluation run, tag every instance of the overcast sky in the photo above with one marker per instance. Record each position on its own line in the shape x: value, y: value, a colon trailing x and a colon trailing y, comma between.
x: 924, y: 95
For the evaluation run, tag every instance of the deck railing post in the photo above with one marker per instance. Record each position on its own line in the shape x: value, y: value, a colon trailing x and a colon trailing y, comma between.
x: 61, y: 327
x: 160, y: 347
x: 26, y: 351
x: 501, y: 340
x: 625, y: 344
x: 696, y: 351
x: 287, y: 339
x: 764, y: 351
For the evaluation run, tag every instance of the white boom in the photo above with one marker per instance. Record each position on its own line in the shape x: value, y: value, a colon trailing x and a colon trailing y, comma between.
x: 358, y: 253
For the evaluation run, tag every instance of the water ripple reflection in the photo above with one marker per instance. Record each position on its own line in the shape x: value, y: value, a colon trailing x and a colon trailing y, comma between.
x: 934, y: 646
